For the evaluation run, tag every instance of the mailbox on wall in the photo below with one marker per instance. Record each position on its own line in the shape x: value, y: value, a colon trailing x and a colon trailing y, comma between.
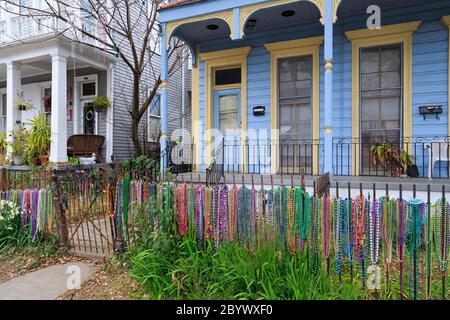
x: 431, y: 110
x: 259, y: 111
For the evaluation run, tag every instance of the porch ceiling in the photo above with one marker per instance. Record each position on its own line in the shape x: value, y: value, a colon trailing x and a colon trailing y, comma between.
x: 268, y: 19
x: 272, y: 18
x: 196, y: 32
x: 43, y: 65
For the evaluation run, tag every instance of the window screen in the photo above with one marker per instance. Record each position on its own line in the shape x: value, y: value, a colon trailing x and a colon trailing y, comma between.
x: 228, y: 76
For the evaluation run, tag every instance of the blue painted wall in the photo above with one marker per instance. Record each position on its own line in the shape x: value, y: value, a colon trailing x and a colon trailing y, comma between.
x: 430, y: 70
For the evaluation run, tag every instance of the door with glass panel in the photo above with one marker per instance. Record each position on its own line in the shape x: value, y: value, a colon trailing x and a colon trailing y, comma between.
x: 381, y: 103
x: 227, y: 120
x: 295, y: 114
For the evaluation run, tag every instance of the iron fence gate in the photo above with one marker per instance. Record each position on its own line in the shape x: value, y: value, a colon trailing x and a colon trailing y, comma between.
x: 83, y: 201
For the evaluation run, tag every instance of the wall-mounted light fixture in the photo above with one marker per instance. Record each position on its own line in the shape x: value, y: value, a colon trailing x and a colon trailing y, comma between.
x: 251, y: 24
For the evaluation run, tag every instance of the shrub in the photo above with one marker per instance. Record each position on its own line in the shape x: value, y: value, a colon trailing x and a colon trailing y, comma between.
x: 10, y: 231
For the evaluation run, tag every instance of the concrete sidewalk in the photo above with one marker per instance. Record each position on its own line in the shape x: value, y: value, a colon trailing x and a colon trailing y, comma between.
x: 46, y: 284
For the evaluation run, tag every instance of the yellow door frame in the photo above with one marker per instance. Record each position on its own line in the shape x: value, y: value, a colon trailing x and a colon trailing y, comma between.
x: 387, y: 35
x: 218, y: 60
x: 290, y: 49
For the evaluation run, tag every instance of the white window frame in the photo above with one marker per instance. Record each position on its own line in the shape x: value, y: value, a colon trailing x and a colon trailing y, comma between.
x: 79, y: 81
x: 150, y: 117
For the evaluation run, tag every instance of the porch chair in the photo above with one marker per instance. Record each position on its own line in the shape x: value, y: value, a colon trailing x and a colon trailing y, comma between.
x: 85, y: 145
x: 437, y: 151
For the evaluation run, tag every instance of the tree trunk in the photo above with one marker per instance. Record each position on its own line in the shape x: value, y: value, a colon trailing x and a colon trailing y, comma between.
x: 135, y: 118
x: 135, y: 137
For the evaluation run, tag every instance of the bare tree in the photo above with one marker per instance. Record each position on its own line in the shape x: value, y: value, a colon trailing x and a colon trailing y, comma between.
x: 128, y: 29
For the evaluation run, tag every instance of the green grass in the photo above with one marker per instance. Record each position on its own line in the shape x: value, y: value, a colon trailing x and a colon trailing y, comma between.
x: 233, y: 272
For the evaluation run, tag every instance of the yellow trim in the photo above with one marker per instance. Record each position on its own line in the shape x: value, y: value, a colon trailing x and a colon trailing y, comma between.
x: 196, y: 111
x: 213, y: 61
x: 393, y: 34
x: 226, y: 16
x: 287, y: 49
x: 446, y: 22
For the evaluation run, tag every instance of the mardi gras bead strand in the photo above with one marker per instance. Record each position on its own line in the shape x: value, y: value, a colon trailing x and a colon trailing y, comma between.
x: 232, y: 213
x: 261, y: 221
x: 359, y: 225
x: 441, y: 235
x: 270, y: 214
x: 191, y: 216
x: 290, y: 222
x: 126, y: 205
x: 252, y: 217
x: 415, y: 214
x: 199, y: 212
x: 182, y: 210
x: 326, y: 207
x: 223, y: 214
x: 315, y: 236
x: 207, y: 210
x: 299, y: 211
x: 337, y: 231
x: 387, y: 209
x: 374, y: 232
x: 277, y: 211
x: 306, y: 216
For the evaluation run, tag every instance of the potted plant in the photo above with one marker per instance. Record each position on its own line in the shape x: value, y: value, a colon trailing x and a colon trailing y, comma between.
x: 23, y: 105
x: 19, y: 145
x: 38, y: 145
x: 382, y: 153
x: 3, y: 147
x: 385, y: 154
x: 101, y: 103
x: 404, y: 161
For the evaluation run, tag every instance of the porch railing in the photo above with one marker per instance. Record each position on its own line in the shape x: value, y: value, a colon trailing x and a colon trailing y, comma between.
x: 2, y: 31
x: 430, y: 155
x: 28, y: 27
x: 256, y: 156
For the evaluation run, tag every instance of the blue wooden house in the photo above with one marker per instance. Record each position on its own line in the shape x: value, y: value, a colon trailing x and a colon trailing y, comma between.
x: 288, y: 85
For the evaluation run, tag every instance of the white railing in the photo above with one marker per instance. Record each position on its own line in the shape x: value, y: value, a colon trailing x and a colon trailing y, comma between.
x: 23, y: 28
x: 2, y: 31
x: 20, y: 28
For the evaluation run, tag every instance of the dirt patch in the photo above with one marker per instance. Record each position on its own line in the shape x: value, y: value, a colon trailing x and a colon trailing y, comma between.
x: 111, y: 282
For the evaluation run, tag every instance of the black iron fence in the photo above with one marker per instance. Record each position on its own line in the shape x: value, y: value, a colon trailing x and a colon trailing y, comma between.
x: 430, y: 157
x: 178, y: 157
x: 255, y: 156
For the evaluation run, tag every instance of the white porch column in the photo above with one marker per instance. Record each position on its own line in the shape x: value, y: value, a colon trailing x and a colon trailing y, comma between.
x: 110, y: 113
x: 76, y: 107
x: 13, y: 85
x: 58, y: 149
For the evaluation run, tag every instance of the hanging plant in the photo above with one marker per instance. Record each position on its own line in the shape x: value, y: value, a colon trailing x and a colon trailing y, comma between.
x: 101, y: 103
x: 23, y: 105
